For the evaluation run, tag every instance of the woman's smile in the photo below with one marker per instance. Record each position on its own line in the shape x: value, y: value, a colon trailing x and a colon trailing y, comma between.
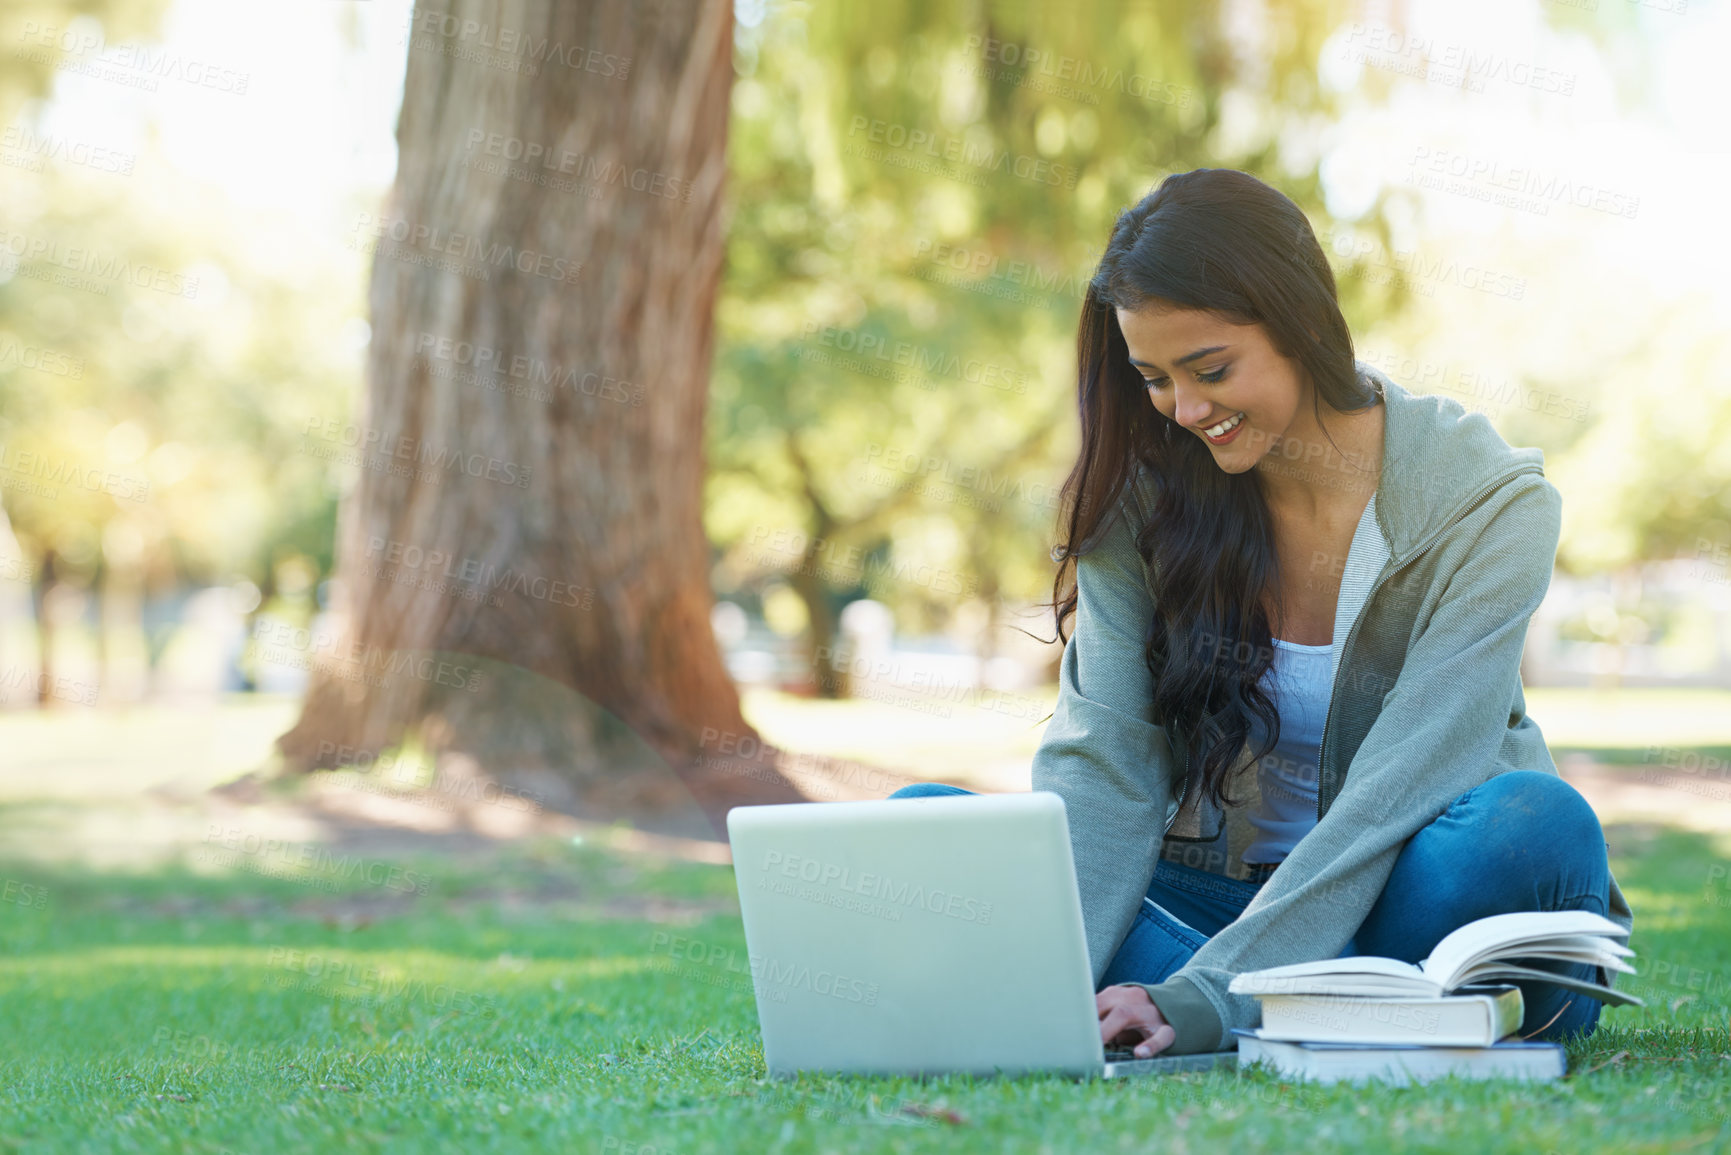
x: 1225, y: 431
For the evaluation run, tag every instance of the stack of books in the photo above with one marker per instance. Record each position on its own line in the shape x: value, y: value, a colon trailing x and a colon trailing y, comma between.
x: 1453, y: 1014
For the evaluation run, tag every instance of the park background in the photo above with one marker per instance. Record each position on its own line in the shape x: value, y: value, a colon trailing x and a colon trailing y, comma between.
x: 369, y: 597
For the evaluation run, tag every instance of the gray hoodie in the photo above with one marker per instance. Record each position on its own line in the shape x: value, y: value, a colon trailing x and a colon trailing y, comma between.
x: 1452, y: 557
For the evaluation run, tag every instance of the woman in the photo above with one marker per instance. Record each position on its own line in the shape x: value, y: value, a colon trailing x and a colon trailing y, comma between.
x: 1290, y: 722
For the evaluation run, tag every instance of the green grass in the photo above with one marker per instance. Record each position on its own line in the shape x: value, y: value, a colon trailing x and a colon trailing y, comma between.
x: 529, y: 1002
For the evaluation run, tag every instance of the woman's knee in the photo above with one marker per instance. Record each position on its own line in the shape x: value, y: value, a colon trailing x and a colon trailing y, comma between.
x: 1524, y: 840
x: 928, y: 790
x: 1522, y: 829
x: 1533, y: 804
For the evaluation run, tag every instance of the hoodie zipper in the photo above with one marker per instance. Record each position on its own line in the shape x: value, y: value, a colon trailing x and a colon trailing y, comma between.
x: 1324, y: 797
x: 1183, y: 786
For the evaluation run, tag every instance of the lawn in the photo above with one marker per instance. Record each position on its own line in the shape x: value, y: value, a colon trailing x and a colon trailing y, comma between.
x: 182, y: 973
x: 533, y: 1001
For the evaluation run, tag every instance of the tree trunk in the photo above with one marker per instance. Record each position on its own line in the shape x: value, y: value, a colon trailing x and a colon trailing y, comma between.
x: 42, y: 598
x: 522, y: 565
x: 807, y: 581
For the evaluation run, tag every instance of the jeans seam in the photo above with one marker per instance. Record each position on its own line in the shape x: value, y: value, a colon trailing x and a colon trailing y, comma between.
x: 1169, y: 923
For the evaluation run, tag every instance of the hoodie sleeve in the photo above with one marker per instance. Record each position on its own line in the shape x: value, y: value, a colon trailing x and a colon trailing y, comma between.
x: 1436, y: 737
x: 1101, y: 752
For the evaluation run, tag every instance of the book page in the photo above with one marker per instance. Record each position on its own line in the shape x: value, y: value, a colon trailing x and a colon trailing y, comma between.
x: 1360, y: 975
x: 1488, y: 937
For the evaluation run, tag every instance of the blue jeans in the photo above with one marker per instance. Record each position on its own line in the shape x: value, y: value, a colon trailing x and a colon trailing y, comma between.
x: 1524, y: 840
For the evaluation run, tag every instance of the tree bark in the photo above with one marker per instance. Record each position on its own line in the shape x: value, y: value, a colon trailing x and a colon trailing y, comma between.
x: 523, y: 577
x: 42, y: 603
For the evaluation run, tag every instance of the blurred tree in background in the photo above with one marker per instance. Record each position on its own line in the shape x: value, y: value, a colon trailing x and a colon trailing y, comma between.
x: 160, y: 354
x: 913, y: 201
x: 569, y: 377
x: 920, y: 196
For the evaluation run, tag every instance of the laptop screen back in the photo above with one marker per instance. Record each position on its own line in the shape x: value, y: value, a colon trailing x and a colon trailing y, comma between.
x: 916, y: 935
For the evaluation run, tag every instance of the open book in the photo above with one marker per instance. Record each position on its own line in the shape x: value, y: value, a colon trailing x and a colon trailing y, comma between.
x: 1478, y: 952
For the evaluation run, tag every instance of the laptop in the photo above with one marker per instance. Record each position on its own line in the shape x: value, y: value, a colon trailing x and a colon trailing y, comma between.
x: 923, y: 936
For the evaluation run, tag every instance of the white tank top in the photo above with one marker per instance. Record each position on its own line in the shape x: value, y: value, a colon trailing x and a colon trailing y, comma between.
x: 1301, y: 683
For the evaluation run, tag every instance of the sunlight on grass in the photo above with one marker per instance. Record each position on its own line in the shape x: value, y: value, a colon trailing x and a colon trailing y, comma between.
x: 80, y: 968
x: 986, y: 738
x: 1632, y: 718
x: 990, y: 740
x: 87, y: 753
x: 527, y: 1001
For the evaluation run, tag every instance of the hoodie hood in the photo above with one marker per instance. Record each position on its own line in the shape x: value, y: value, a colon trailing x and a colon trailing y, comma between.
x: 1437, y: 458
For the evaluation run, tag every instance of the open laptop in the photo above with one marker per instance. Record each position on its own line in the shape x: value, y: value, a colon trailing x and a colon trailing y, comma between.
x: 922, y: 936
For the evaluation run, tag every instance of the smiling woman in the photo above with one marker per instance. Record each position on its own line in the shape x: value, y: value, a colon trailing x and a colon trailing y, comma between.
x: 1242, y: 542
x: 1215, y: 300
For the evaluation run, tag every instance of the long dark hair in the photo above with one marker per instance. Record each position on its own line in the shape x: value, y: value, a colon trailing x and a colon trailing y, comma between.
x: 1222, y: 241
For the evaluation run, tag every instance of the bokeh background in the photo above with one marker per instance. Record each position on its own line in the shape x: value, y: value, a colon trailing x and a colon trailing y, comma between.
x: 1519, y: 204
x: 835, y: 423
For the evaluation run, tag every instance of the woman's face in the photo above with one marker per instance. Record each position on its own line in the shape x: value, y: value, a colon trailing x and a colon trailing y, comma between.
x: 1202, y: 372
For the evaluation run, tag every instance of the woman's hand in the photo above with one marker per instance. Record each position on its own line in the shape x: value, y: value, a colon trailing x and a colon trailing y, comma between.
x: 1129, y: 1017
